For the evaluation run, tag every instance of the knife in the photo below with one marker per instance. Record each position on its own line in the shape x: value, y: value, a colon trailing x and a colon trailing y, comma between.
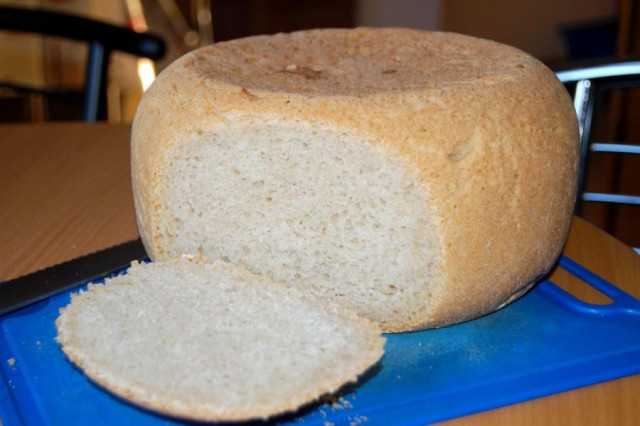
x: 39, y: 285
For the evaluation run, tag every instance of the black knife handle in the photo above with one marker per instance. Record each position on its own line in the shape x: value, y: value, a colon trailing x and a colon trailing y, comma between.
x: 39, y: 285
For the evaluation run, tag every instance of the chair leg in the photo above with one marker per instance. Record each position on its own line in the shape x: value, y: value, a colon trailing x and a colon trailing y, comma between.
x: 584, y: 105
x: 95, y: 86
x: 36, y: 107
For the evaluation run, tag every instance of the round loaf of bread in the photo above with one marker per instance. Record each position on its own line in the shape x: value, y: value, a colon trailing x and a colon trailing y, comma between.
x: 417, y: 178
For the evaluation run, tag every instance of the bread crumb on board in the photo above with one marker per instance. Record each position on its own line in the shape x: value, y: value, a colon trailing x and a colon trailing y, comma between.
x: 358, y: 420
x: 341, y: 403
x: 11, y: 361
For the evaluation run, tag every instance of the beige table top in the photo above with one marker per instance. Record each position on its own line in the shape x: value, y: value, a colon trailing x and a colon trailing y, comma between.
x: 65, y: 191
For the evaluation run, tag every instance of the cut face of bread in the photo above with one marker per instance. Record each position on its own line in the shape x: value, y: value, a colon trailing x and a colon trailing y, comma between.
x: 309, y: 206
x: 418, y: 178
x: 209, y: 341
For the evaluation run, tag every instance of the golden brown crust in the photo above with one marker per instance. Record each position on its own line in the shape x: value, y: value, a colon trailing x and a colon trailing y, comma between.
x: 490, y: 133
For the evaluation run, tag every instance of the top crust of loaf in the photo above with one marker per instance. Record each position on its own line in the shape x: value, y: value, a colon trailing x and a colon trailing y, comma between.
x: 357, y: 62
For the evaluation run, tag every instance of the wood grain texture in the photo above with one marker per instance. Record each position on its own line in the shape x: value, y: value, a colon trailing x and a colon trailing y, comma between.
x: 65, y: 190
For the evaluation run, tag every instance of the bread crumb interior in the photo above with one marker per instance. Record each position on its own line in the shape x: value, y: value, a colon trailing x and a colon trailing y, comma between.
x: 308, y: 206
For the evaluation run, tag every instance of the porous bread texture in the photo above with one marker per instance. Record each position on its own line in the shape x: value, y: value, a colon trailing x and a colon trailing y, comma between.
x: 212, y: 342
x: 418, y: 178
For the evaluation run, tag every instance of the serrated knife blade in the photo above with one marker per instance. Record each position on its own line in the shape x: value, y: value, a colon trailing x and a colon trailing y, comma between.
x: 39, y: 285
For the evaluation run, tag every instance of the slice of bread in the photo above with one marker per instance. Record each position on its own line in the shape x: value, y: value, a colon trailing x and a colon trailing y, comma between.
x: 417, y: 178
x: 209, y: 341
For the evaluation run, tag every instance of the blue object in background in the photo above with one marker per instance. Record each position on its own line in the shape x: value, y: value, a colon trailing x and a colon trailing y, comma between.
x: 546, y: 342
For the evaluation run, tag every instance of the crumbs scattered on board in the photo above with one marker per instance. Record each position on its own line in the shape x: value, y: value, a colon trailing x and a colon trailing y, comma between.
x: 358, y: 420
x: 341, y: 403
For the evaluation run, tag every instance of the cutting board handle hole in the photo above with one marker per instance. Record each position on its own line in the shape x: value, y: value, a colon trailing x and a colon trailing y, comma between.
x: 578, y: 288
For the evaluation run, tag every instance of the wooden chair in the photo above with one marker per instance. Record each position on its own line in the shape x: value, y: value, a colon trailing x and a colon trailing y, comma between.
x: 102, y: 38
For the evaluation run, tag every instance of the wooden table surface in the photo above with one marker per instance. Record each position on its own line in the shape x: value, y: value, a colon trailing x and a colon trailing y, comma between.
x: 65, y: 191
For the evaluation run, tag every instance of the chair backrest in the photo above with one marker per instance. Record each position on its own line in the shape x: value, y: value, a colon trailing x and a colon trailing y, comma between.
x: 103, y: 38
x: 589, y: 82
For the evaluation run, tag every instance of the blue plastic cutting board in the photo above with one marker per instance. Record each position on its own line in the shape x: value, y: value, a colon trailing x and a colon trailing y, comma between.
x: 544, y: 343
